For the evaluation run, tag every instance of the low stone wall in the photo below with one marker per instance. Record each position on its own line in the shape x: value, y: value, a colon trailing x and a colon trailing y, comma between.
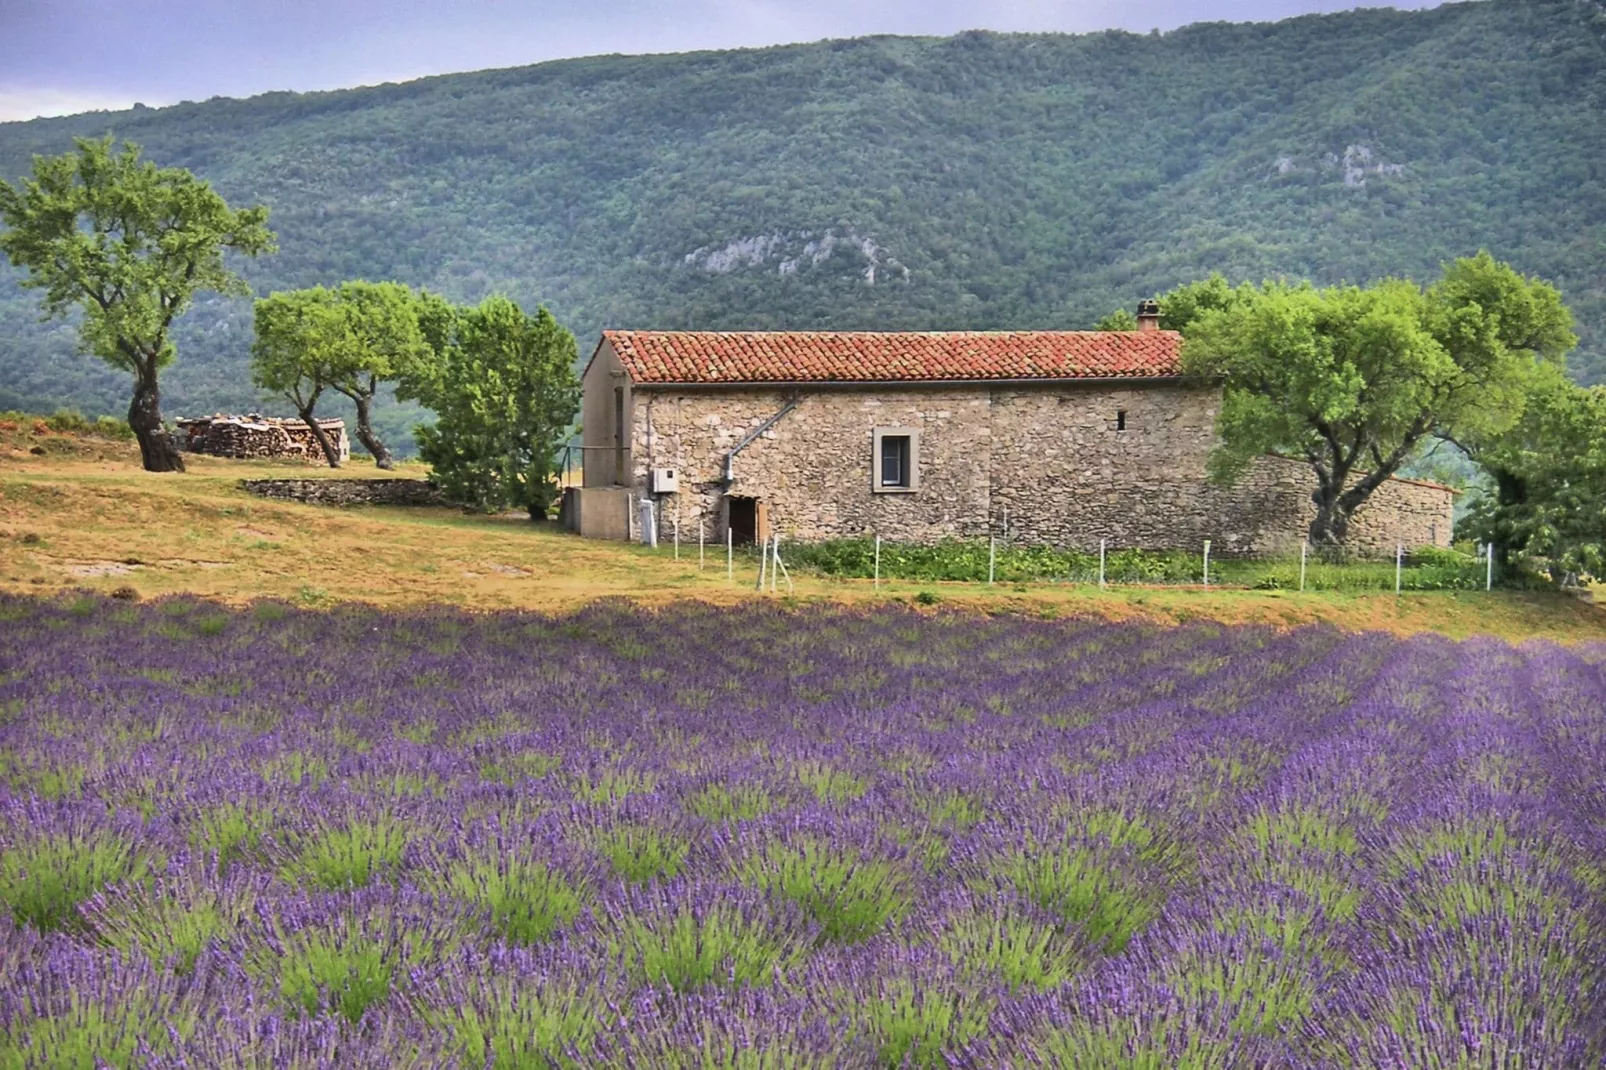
x: 1276, y: 495
x: 346, y: 491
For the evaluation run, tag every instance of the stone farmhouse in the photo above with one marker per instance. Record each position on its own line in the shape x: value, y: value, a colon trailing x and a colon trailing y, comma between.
x: 1049, y: 437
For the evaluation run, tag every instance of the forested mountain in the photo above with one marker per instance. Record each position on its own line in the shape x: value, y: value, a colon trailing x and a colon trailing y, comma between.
x: 978, y: 181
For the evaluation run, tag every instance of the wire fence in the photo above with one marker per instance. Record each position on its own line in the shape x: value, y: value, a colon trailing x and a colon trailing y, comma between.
x: 993, y: 562
x: 998, y: 561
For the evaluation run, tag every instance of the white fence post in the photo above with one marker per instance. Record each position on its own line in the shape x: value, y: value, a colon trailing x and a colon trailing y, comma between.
x: 780, y: 567
x: 630, y: 517
x: 877, y: 581
x: 992, y: 557
x: 1101, y: 564
x: 1207, y: 563
x: 677, y: 531
x: 730, y: 561
x: 1399, y: 564
x: 763, y: 563
x: 1304, y: 548
x: 1488, y: 574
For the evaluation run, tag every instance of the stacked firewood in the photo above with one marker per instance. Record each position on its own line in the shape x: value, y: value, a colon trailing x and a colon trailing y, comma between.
x: 257, y: 437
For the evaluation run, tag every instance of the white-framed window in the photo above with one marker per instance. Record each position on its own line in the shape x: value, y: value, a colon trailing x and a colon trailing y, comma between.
x: 895, y: 460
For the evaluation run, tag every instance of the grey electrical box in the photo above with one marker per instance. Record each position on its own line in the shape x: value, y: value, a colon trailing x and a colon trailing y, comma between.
x: 665, y: 481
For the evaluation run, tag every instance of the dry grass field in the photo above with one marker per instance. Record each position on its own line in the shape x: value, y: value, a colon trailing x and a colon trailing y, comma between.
x: 80, y: 514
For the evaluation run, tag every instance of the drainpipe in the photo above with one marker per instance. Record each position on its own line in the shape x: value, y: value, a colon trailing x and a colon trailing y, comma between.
x: 730, y: 458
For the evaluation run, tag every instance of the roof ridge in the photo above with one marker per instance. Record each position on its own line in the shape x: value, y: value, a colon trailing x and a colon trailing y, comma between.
x: 653, y: 356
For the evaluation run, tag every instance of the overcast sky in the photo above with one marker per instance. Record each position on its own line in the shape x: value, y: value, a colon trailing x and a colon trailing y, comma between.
x: 64, y: 56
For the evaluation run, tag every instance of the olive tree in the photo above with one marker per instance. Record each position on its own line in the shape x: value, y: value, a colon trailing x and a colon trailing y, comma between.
x: 297, y: 335
x: 1354, y: 380
x: 378, y: 341
x: 129, y: 245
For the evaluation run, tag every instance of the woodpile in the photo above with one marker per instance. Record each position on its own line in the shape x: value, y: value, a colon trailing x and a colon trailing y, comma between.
x: 256, y: 437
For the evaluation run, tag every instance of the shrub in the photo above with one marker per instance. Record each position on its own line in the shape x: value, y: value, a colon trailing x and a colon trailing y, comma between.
x: 1084, y: 886
x: 527, y: 900
x: 349, y: 856
x: 640, y: 853
x: 43, y: 881
x: 688, y: 936
x: 849, y: 896
x: 1011, y: 942
x: 914, y: 1024
x: 719, y: 803
x: 513, y: 1023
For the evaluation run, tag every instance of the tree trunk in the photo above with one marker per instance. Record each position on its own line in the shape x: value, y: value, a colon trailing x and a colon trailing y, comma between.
x: 1511, y: 491
x: 365, y: 433
x: 156, y: 447
x: 1330, y: 526
x: 330, y: 454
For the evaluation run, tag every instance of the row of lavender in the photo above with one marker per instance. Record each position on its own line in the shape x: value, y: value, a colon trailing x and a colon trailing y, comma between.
x: 758, y: 837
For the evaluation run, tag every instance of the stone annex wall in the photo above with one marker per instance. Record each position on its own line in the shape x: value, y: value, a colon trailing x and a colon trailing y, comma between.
x: 1050, y: 462
x: 346, y: 491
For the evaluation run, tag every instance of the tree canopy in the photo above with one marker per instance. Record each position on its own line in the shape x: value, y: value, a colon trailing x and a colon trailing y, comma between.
x: 297, y: 354
x: 505, y: 392
x: 1354, y: 379
x: 127, y: 245
x: 1548, y: 470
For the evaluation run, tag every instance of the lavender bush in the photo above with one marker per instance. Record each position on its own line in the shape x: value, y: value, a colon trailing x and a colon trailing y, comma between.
x: 769, y: 837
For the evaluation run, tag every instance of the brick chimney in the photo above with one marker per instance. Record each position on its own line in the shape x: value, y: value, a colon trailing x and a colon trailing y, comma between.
x: 1148, y: 315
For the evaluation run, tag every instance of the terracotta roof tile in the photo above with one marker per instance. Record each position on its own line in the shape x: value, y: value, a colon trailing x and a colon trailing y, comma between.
x: 870, y: 356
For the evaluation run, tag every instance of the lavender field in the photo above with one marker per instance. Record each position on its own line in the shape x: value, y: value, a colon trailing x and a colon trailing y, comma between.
x: 760, y: 837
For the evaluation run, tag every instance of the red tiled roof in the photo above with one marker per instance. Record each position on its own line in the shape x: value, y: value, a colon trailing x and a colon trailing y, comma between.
x: 871, y: 356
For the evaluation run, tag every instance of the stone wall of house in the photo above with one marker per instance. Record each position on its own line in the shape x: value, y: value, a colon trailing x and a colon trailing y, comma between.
x: 1061, y: 465
x: 346, y: 491
x: 813, y: 468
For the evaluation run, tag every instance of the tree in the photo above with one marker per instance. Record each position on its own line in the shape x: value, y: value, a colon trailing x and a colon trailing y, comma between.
x: 1548, y: 497
x: 1119, y: 320
x: 1354, y: 379
x: 129, y: 245
x: 505, y: 393
x: 378, y: 340
x: 1179, y: 308
x: 298, y: 334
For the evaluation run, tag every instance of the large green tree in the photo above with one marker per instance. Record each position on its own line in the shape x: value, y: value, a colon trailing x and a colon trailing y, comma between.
x: 298, y: 336
x: 1547, y: 472
x: 128, y: 245
x: 505, y: 393
x: 1355, y: 379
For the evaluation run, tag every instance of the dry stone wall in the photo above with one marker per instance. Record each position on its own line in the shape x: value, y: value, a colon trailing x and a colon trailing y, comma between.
x: 1060, y: 465
x: 347, y: 491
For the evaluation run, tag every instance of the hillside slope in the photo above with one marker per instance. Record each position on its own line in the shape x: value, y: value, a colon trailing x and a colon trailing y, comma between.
x: 977, y: 181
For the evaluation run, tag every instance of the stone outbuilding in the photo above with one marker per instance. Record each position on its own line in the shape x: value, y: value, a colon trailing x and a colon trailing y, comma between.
x: 258, y: 437
x: 1059, y: 438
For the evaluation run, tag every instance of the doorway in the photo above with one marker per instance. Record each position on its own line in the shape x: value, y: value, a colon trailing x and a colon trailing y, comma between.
x: 742, y: 517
